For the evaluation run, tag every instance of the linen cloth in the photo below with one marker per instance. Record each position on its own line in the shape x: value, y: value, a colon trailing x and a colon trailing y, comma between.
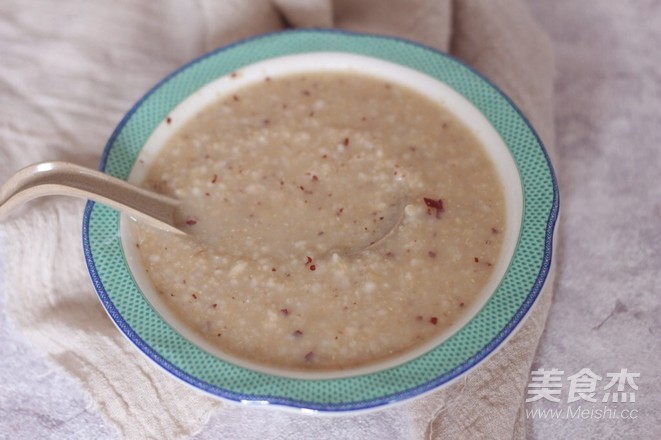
x: 71, y: 69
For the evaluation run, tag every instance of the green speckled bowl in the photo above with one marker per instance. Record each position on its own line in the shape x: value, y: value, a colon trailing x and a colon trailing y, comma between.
x: 524, y: 267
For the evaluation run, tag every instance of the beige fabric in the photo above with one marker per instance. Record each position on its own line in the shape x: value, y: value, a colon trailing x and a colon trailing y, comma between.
x: 64, y: 88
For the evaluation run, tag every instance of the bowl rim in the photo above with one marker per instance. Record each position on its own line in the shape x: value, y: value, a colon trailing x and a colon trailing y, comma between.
x: 448, y: 376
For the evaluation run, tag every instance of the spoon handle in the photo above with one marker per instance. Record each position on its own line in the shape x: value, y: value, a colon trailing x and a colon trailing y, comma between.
x: 63, y: 178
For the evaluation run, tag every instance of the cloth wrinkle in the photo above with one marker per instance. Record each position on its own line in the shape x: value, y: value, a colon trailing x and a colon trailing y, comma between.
x: 305, y: 13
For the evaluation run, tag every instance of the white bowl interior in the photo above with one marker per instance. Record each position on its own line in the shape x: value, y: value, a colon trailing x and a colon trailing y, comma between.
x: 335, y: 62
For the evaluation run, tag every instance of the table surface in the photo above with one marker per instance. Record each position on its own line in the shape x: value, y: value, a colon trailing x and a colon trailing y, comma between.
x: 605, y: 315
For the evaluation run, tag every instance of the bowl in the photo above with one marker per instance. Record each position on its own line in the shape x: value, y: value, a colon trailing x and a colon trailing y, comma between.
x: 531, y: 200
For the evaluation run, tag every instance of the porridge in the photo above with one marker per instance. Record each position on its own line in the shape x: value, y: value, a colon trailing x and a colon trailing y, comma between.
x: 334, y: 220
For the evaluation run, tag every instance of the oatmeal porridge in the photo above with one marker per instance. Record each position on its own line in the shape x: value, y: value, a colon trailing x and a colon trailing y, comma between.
x: 334, y: 220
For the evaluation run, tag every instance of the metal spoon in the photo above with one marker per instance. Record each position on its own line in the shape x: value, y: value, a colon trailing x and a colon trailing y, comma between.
x: 63, y: 178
